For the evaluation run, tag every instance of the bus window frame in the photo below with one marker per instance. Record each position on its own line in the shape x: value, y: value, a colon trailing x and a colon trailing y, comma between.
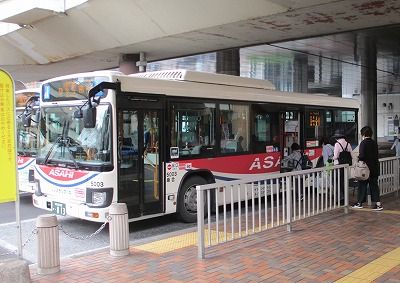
x: 324, y: 109
x: 307, y: 110
x: 249, y: 106
x: 171, y: 100
x: 278, y: 108
x: 89, y: 166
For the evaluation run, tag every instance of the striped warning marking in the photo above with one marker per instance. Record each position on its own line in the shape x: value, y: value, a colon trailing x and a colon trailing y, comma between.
x: 186, y: 240
x: 169, y: 244
x: 374, y: 269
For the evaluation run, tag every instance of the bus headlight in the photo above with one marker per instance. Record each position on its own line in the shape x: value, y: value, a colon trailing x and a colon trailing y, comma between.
x: 99, y: 197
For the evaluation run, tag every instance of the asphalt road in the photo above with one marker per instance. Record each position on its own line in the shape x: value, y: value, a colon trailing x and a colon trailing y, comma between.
x: 27, y: 210
x: 72, y: 228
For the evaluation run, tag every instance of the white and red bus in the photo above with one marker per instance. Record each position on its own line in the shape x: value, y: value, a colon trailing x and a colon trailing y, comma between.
x: 27, y: 105
x: 148, y: 139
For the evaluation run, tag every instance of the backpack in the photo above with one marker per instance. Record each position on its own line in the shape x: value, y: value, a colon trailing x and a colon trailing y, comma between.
x: 304, y: 162
x: 345, y: 156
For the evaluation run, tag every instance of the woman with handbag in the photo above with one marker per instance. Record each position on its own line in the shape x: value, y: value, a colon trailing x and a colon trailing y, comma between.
x: 369, y: 154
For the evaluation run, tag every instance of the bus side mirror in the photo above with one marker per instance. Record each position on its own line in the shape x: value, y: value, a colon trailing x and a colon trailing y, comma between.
x: 36, y: 118
x: 89, y: 117
x: 26, y: 119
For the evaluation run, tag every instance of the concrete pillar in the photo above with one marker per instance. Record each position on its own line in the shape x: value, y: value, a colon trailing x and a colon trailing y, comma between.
x: 127, y: 63
x: 48, y: 261
x: 228, y: 62
x: 300, y: 77
x: 119, y: 230
x: 368, y: 84
x: 142, y: 63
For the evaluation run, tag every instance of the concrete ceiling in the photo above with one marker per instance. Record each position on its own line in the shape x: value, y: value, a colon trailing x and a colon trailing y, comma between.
x: 92, y: 36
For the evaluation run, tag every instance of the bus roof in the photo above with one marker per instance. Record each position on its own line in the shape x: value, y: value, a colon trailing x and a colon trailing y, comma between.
x: 107, y: 73
x: 202, y: 77
x: 208, y: 85
x: 185, y: 83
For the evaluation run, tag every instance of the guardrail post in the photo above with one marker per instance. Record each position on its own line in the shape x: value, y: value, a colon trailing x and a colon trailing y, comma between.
x: 288, y: 203
x: 346, y: 189
x: 48, y: 260
x: 119, y: 230
x: 200, y: 223
x: 397, y: 175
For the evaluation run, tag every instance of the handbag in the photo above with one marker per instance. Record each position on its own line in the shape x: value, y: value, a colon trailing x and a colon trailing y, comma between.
x: 361, y: 171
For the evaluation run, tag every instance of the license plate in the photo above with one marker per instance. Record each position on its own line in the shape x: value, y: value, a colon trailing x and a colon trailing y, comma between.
x: 58, y: 208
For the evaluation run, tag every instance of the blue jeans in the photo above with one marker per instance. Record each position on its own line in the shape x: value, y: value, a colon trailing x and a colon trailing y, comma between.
x: 372, y: 182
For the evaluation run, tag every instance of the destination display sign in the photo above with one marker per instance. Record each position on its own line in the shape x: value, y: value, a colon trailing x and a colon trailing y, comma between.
x: 71, y: 89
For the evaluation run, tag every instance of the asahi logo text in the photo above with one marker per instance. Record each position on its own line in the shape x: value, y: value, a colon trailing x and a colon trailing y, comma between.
x: 266, y: 163
x: 61, y: 173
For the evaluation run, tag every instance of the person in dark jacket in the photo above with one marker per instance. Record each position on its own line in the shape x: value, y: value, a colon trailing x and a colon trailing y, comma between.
x: 368, y: 152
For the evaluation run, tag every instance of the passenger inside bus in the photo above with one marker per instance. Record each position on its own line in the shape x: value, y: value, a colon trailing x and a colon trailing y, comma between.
x: 88, y: 139
x: 239, y: 144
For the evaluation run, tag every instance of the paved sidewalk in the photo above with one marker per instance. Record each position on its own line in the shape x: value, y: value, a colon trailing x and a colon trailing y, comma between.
x: 324, y: 248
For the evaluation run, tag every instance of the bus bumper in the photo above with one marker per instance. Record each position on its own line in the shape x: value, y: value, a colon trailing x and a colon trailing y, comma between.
x: 28, y: 188
x: 74, y: 209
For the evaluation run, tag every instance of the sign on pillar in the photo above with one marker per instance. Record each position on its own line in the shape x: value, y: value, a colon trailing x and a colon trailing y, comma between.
x: 8, y: 165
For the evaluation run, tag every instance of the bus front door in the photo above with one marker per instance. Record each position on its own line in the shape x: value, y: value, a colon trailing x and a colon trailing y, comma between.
x: 139, y: 163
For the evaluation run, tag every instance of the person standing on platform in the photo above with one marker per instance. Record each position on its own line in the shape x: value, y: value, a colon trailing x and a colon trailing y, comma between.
x: 369, y: 154
x: 327, y: 151
x: 396, y: 145
x: 341, y: 147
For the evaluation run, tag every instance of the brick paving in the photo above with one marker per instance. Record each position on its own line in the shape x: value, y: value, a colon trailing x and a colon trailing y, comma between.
x: 323, y: 248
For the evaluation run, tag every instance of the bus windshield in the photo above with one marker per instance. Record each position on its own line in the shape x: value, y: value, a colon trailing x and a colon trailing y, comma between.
x: 66, y: 143
x: 27, y: 143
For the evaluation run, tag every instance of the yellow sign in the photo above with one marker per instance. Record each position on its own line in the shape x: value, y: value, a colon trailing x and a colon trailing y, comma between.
x: 315, y: 119
x: 8, y: 165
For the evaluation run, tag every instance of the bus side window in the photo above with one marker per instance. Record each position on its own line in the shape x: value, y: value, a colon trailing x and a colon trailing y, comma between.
x: 194, y: 128
x: 235, y: 130
x: 265, y: 135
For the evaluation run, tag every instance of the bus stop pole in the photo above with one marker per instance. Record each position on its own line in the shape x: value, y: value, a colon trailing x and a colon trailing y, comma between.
x: 18, y: 222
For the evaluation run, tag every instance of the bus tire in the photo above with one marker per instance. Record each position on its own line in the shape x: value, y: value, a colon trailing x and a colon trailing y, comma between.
x: 187, y: 199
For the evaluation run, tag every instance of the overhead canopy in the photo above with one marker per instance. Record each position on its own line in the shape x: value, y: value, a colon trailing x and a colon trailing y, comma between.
x: 62, y: 37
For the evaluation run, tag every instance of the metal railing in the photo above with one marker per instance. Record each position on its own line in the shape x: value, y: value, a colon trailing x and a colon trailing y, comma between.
x: 237, y: 209
x: 253, y: 205
x: 389, y: 180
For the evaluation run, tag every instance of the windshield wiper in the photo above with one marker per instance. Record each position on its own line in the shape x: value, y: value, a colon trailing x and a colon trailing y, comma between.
x: 46, y: 159
x: 62, y: 141
x: 67, y: 143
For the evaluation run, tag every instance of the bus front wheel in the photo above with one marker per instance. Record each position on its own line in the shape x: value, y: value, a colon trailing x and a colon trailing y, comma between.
x: 187, y: 202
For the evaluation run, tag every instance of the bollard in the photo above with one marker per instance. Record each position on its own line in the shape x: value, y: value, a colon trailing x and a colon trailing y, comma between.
x: 119, y: 230
x: 48, y: 244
